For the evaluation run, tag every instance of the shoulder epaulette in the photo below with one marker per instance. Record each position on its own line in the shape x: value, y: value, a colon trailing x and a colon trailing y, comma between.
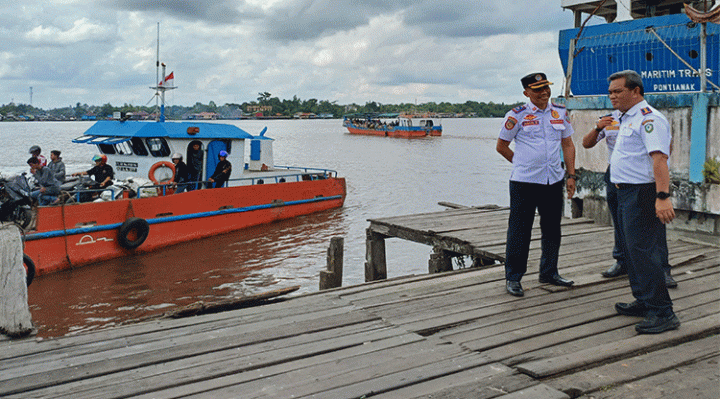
x: 646, y: 110
x: 519, y: 109
x: 558, y: 105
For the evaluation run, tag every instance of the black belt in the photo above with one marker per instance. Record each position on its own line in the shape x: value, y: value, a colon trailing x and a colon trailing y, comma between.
x: 628, y: 185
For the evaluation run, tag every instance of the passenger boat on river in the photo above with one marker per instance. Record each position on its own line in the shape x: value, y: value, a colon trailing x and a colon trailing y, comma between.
x: 124, y: 222
x: 77, y: 233
x: 393, y: 125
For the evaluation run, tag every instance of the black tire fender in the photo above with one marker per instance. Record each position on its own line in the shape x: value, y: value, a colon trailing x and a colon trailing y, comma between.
x: 137, y: 227
x: 29, y: 268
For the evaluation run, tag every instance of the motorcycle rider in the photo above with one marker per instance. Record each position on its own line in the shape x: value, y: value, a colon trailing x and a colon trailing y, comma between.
x: 57, y: 166
x: 35, y: 151
x: 49, y: 185
x: 102, y: 172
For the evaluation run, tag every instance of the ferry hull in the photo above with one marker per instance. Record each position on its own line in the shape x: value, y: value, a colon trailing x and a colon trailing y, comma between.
x: 74, y: 235
x: 397, y: 132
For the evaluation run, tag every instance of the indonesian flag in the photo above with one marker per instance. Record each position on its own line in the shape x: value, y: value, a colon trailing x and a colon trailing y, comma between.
x: 168, y: 81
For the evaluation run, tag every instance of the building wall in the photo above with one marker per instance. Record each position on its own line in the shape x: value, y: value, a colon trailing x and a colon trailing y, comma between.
x: 697, y: 204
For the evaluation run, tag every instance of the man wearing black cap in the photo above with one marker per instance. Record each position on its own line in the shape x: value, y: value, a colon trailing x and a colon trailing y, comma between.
x: 540, y: 130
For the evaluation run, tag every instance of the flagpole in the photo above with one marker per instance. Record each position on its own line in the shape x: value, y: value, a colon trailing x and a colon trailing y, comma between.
x: 162, y: 94
x: 165, y: 82
x: 157, y: 73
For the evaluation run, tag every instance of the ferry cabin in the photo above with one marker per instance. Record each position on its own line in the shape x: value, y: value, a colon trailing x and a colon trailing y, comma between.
x: 144, y: 149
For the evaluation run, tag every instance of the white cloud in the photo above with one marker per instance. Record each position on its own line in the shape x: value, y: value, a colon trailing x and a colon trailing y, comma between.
x: 82, y: 30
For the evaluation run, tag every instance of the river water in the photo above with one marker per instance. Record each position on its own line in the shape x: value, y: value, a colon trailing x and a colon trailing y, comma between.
x: 384, y: 176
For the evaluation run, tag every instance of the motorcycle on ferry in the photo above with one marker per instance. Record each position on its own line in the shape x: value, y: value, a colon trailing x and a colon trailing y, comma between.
x: 15, y: 200
x: 15, y: 207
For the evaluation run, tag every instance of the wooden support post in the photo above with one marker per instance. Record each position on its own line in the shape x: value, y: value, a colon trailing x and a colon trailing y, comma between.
x: 375, y: 264
x: 440, y: 261
x: 479, y: 261
x: 15, y: 319
x: 332, y: 277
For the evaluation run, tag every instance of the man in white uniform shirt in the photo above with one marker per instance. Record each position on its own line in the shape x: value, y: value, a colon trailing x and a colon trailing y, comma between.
x: 607, y: 128
x: 639, y: 169
x: 540, y: 130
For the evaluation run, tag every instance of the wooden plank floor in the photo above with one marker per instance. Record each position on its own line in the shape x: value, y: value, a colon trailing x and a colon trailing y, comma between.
x: 449, y: 335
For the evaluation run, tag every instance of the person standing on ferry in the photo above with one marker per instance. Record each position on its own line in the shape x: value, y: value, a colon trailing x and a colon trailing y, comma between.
x: 540, y: 130
x: 195, y: 164
x: 181, y: 173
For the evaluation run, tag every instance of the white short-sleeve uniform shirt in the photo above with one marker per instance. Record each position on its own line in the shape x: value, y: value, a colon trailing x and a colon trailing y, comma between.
x: 643, y: 130
x: 537, y: 134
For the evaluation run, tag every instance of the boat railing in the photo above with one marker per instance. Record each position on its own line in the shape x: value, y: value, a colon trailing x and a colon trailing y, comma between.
x: 120, y: 191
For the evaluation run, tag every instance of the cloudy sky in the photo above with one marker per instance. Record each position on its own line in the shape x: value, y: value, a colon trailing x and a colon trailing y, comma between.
x: 226, y: 51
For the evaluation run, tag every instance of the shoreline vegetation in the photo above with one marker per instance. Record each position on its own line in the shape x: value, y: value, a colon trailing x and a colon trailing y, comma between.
x: 266, y: 107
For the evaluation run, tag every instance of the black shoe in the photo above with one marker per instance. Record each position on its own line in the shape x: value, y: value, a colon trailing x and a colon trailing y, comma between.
x: 614, y: 271
x: 514, y: 288
x: 556, y: 280
x: 669, y: 280
x: 630, y: 309
x: 653, y: 324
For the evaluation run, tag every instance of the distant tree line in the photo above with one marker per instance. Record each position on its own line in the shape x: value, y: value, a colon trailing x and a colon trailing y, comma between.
x: 281, y: 108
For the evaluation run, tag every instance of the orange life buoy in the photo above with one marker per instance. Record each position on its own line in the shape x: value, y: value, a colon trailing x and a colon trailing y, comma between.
x: 161, y: 164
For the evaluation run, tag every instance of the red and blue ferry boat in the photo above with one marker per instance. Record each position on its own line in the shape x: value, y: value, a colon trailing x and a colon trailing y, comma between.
x: 393, y: 125
x: 74, y: 234
x: 119, y: 223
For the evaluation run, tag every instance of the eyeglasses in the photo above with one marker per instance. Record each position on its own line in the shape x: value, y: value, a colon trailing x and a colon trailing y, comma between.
x: 617, y: 91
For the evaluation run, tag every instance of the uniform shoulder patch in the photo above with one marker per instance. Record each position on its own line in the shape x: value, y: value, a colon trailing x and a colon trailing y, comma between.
x: 510, y: 123
x: 519, y: 109
x: 648, y: 126
x: 646, y: 111
x: 558, y: 105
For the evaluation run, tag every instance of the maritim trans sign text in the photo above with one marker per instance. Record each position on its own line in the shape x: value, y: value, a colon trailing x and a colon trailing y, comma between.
x: 673, y: 79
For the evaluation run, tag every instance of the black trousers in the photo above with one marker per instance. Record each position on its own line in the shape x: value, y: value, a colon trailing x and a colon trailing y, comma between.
x: 645, y: 246
x: 525, y: 198
x: 612, y: 201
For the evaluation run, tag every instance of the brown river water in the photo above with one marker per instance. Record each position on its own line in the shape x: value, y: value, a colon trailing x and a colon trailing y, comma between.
x: 384, y: 176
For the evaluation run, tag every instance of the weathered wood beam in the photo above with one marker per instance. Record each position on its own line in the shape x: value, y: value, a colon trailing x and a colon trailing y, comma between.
x: 375, y: 262
x: 332, y: 277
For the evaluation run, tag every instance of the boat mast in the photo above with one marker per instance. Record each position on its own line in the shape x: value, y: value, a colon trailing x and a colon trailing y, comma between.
x: 161, y: 86
x: 157, y: 72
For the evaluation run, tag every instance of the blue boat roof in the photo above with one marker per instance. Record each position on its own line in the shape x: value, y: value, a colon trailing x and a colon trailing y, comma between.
x: 175, y: 130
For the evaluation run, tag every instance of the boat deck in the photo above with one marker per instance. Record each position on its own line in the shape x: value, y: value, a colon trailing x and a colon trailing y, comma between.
x: 446, y: 335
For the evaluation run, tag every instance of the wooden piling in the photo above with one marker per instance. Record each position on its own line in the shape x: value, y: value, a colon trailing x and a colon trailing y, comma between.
x: 332, y: 277
x: 375, y: 263
x: 15, y: 319
x: 440, y: 261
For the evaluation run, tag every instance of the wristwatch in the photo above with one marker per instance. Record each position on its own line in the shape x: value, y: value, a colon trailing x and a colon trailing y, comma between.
x: 662, y: 195
x: 574, y: 177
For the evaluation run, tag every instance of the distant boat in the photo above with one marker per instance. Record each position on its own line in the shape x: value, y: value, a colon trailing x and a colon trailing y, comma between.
x: 393, y: 125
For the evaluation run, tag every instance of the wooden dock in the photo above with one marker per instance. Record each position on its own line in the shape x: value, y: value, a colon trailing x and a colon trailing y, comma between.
x: 446, y: 335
